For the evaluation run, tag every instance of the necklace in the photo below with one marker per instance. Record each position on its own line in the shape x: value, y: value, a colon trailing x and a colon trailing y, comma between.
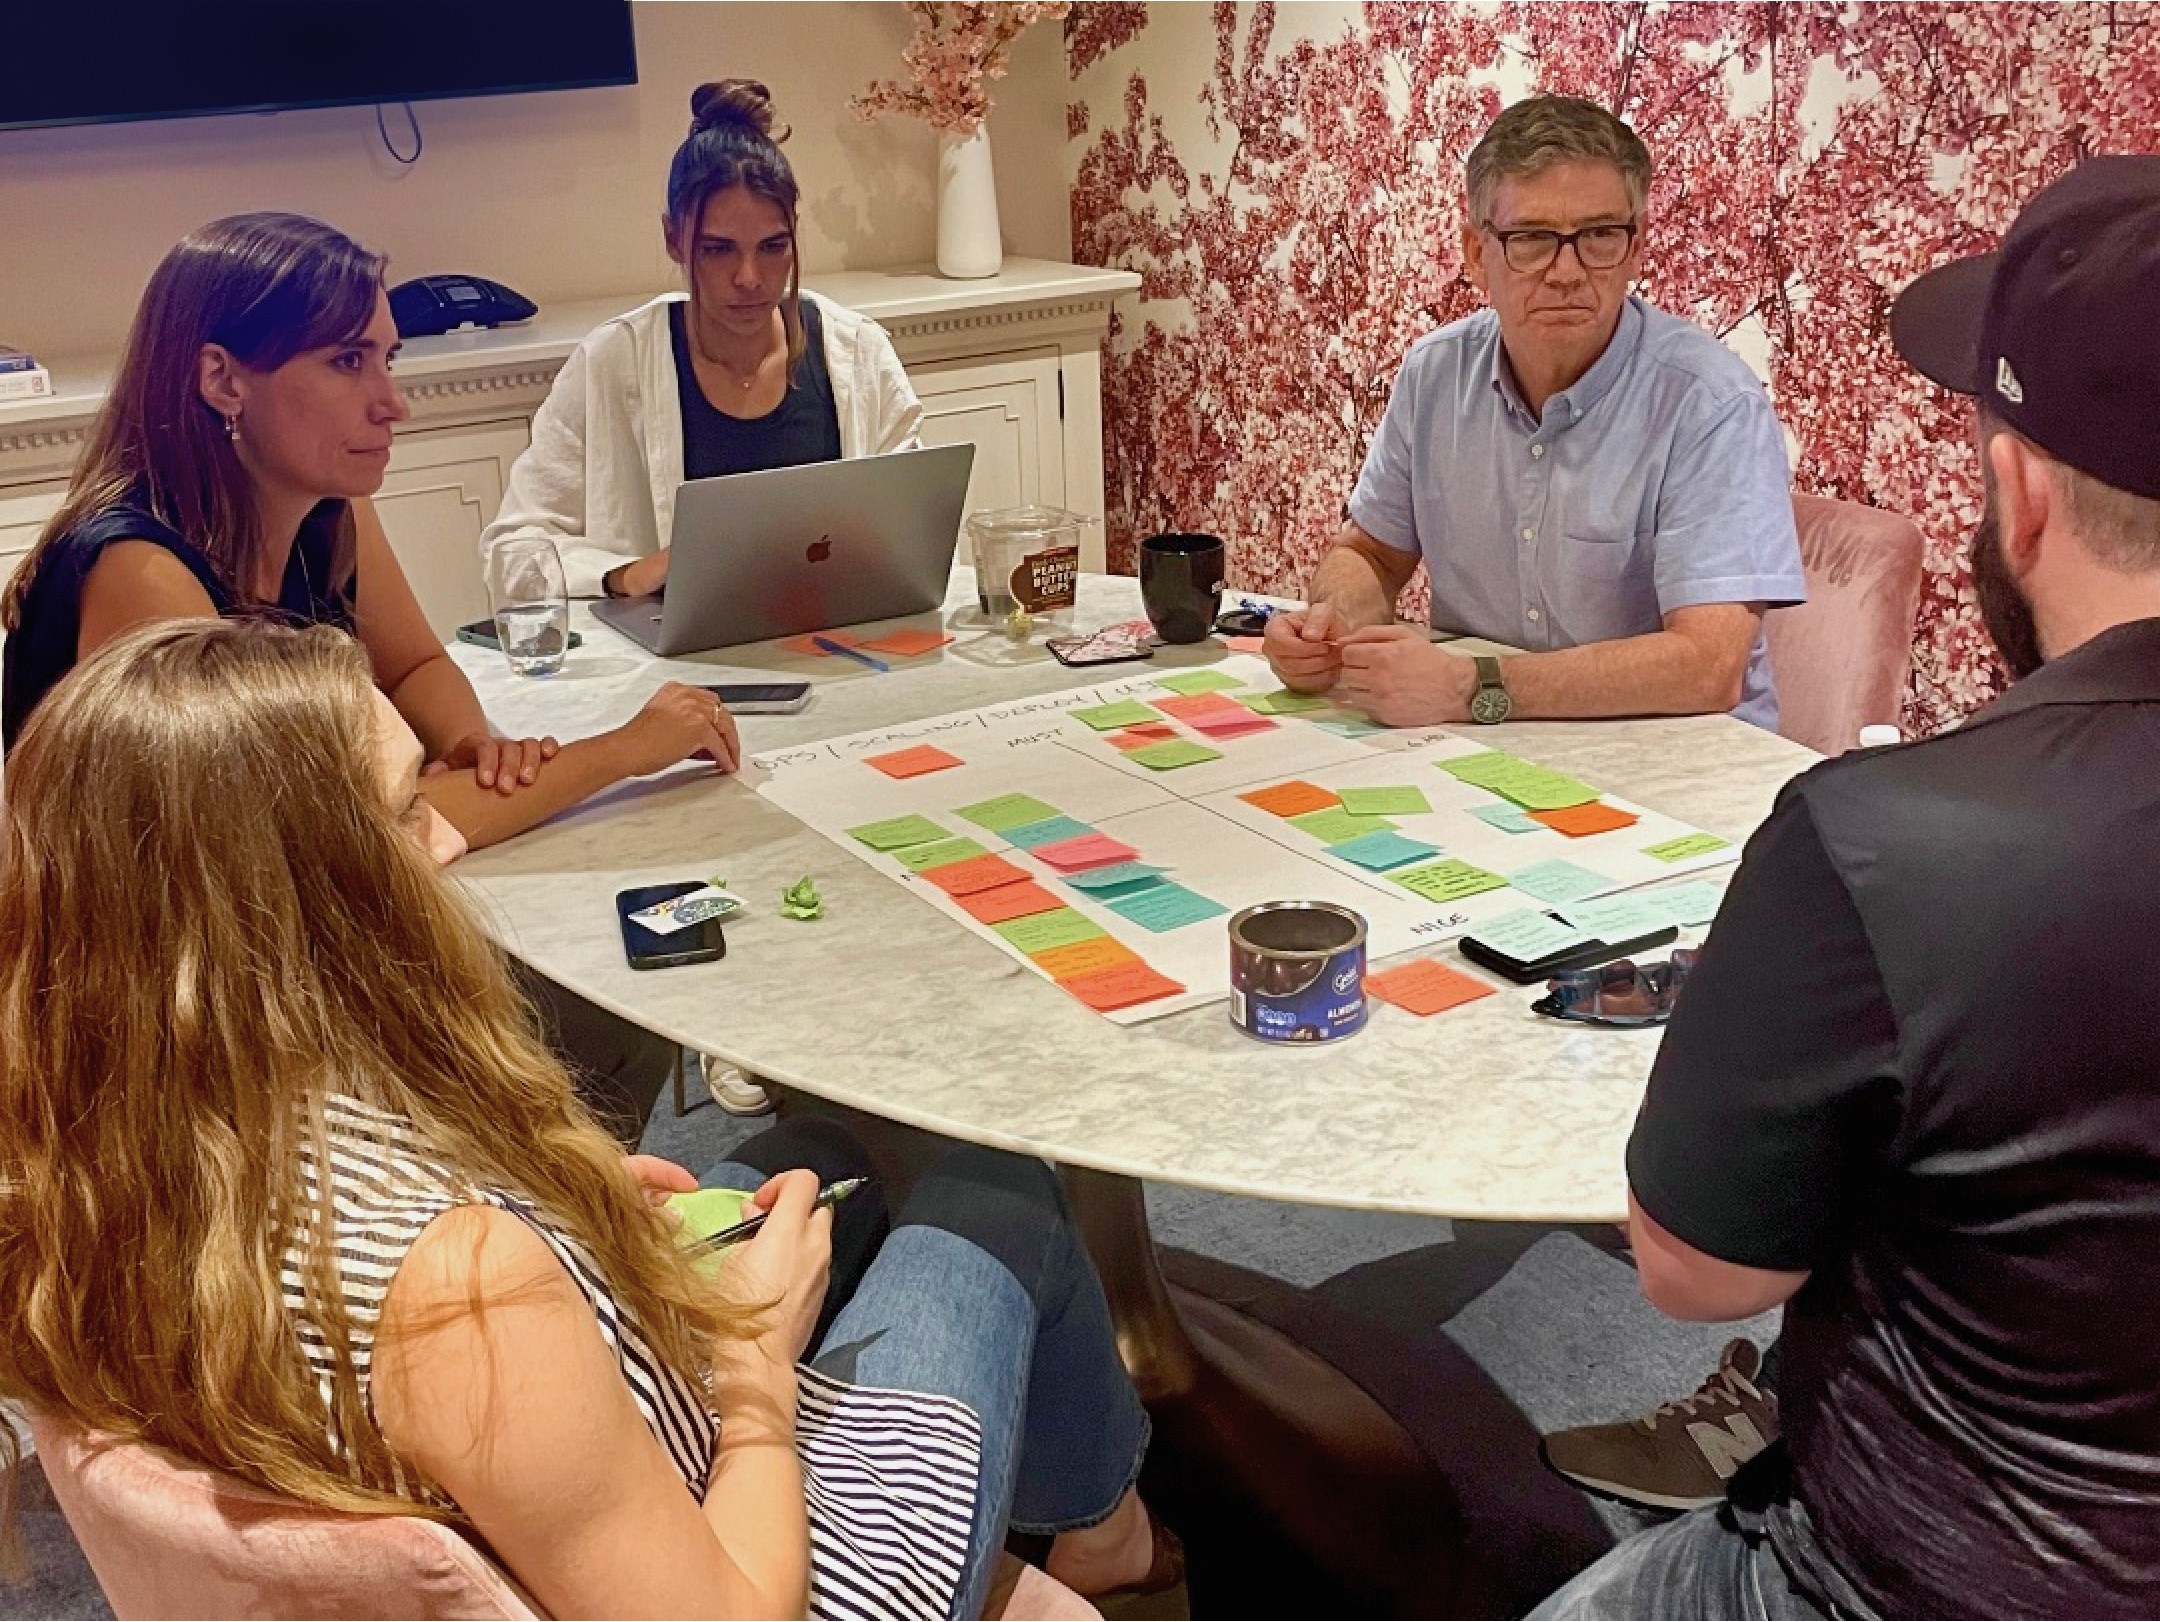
x: 734, y: 373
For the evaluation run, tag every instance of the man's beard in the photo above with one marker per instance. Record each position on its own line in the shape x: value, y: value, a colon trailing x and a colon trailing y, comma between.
x: 2003, y: 608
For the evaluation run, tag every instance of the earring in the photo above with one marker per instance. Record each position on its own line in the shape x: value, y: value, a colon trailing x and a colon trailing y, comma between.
x: 232, y: 427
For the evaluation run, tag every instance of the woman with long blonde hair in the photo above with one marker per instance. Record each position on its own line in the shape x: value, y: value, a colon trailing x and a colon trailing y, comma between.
x: 294, y: 1189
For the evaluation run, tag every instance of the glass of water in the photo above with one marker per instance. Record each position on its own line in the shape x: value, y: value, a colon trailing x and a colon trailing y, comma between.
x: 531, y: 603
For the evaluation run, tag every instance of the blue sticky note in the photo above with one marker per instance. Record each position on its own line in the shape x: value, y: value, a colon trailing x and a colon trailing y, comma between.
x: 1382, y: 850
x: 1525, y: 935
x: 1508, y: 819
x: 1690, y: 904
x: 1046, y: 832
x: 1162, y: 907
x: 1348, y: 726
x: 1555, y: 882
x: 1616, y: 918
x: 1116, y: 880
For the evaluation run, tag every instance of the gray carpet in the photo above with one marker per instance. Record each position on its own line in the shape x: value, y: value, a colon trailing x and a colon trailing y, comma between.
x: 1556, y: 1321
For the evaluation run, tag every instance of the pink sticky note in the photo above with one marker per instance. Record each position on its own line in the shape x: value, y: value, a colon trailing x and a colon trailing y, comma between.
x: 913, y: 762
x: 1088, y: 850
x: 1230, y: 724
x: 1189, y: 708
x: 1244, y: 644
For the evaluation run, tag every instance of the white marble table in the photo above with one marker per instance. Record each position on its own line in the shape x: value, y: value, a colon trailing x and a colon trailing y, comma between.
x: 1486, y: 1111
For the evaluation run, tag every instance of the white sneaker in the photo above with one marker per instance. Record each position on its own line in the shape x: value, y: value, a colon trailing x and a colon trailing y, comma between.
x: 733, y: 1091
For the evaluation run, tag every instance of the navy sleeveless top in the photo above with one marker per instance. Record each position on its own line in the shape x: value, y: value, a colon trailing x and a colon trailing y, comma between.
x: 41, y: 649
x: 803, y: 427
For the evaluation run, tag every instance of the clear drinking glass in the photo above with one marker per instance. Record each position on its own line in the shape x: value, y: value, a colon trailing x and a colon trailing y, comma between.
x: 526, y: 589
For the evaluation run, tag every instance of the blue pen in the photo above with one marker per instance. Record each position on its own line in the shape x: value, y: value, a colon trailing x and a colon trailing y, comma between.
x: 830, y: 646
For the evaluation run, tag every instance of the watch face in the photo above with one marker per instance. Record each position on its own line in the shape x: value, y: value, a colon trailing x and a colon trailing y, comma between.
x: 1490, y: 706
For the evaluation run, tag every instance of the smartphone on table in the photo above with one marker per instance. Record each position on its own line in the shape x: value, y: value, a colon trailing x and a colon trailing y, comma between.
x: 481, y: 634
x: 762, y: 697
x: 649, y: 949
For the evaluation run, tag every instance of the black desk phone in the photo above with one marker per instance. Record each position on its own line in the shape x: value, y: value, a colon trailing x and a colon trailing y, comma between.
x: 437, y: 304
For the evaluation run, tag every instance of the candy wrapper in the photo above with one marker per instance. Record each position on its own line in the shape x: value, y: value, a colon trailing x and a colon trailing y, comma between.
x: 715, y: 900
x: 801, y: 900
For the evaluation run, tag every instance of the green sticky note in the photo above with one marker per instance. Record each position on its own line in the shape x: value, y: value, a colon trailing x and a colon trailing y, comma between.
x: 1617, y: 918
x: 1283, y: 702
x: 1679, y: 850
x: 1526, y: 935
x: 1509, y: 819
x: 1335, y: 826
x: 1533, y: 787
x: 1383, y: 802
x: 707, y: 1212
x: 1126, y: 712
x: 1692, y: 904
x: 1556, y: 881
x: 1162, y: 757
x: 937, y: 853
x: 1478, y: 767
x: 895, y: 832
x: 1006, y: 811
x: 1200, y: 681
x: 1450, y: 880
x: 1162, y: 907
x: 1348, y: 726
x: 1045, y: 931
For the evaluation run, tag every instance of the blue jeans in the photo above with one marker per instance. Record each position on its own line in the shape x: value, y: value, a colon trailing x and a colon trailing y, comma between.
x: 1701, y: 1565
x: 982, y: 1293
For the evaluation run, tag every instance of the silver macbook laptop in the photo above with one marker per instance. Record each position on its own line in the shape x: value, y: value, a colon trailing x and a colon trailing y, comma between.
x: 758, y: 555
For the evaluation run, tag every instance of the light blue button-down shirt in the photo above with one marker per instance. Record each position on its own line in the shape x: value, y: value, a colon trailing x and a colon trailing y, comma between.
x: 1657, y: 482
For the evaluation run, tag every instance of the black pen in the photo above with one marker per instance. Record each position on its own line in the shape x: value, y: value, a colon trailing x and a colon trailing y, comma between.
x: 830, y: 1195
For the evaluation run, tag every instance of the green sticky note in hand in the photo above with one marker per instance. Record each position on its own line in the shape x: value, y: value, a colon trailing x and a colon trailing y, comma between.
x: 895, y: 833
x: 709, y: 1211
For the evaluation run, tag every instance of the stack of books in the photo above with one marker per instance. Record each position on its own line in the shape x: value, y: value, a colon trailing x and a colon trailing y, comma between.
x: 21, y: 377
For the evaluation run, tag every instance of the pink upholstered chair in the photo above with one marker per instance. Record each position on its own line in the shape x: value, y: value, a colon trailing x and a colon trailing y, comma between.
x: 1841, y: 658
x: 167, y: 1538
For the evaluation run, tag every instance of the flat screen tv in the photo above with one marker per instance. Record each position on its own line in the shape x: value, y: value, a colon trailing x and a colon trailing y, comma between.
x: 99, y: 61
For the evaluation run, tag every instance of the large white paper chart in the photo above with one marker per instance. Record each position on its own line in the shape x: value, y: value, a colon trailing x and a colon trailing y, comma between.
x: 1192, y: 824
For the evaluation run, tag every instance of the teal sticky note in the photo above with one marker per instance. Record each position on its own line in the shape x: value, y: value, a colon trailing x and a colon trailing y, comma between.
x: 1162, y: 757
x: 1045, y: 931
x: 1382, y: 850
x: 1384, y: 802
x: 1526, y: 935
x: 1126, y: 712
x: 1617, y: 918
x: 1115, y: 880
x: 1509, y: 819
x: 1049, y: 831
x: 1556, y: 881
x: 1348, y: 726
x: 1693, y: 904
x: 1283, y: 702
x: 938, y: 853
x: 895, y: 832
x: 1163, y: 907
x: 1450, y: 880
x: 1006, y: 811
x: 1200, y: 681
x: 1679, y: 850
x: 1335, y: 826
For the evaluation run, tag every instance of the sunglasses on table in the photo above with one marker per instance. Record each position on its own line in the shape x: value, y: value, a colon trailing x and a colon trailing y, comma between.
x: 1623, y: 995
x: 1597, y: 247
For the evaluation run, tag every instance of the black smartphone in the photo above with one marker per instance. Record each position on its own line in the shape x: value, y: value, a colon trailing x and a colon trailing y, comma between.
x: 481, y: 634
x: 1585, y: 955
x: 646, y: 949
x: 762, y: 697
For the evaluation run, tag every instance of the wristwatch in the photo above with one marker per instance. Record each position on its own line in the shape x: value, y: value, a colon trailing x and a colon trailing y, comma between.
x: 1490, y: 704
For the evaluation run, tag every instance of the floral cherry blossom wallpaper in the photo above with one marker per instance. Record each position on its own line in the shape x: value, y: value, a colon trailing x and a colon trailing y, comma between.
x: 1288, y: 181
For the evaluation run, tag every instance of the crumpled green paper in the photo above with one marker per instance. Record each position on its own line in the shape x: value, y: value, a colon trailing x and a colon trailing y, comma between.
x: 801, y: 900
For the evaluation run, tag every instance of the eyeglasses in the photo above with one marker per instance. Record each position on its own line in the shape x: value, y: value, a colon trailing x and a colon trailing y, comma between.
x: 1597, y: 247
x: 1620, y: 994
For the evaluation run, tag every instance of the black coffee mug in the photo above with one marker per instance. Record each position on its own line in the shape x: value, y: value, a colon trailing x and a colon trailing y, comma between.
x: 1181, y: 583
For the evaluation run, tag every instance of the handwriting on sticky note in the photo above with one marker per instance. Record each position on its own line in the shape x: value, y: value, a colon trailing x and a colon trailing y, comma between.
x: 1124, y: 713
x: 1189, y: 707
x: 1089, y: 850
x: 1679, y: 850
x: 1533, y: 787
x: 1163, y: 757
x: 894, y: 832
x: 1335, y: 826
x: 1580, y: 821
x: 938, y: 853
x: 1125, y: 986
x: 1162, y: 907
x: 1617, y: 918
x: 1291, y: 799
x: 913, y: 762
x: 1509, y: 819
x: 976, y: 873
x: 1006, y: 811
x: 1283, y: 702
x: 1085, y: 957
x: 1199, y: 681
x: 907, y: 644
x: 1385, y: 802
x: 1007, y: 901
x: 1425, y: 987
x: 1450, y: 880
x: 1692, y: 904
x: 1526, y: 935
x: 1119, y: 876
x: 1027, y: 835
x: 1556, y: 881
x: 1383, y: 850
x: 1045, y: 931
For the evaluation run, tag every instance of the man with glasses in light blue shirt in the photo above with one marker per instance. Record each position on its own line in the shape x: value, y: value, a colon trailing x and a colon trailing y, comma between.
x: 1584, y: 476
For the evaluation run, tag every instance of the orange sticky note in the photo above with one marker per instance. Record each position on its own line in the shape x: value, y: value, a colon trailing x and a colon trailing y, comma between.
x: 976, y: 873
x: 1578, y: 820
x: 1185, y: 706
x: 1424, y: 986
x: 1292, y: 799
x: 1244, y: 644
x: 1004, y: 902
x: 803, y: 644
x: 906, y: 644
x: 1064, y: 963
x: 1121, y: 987
x: 913, y: 762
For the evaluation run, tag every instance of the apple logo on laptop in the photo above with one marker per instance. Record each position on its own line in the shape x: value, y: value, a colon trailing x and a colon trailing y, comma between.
x: 820, y: 549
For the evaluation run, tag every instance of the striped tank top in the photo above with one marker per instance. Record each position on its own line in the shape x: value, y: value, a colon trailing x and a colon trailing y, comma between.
x: 889, y: 1477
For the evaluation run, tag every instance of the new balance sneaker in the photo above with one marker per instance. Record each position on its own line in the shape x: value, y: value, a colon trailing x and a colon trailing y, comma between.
x: 1680, y: 1454
x: 734, y: 1090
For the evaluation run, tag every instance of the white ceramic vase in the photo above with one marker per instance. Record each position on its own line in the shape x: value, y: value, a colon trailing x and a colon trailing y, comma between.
x: 968, y: 243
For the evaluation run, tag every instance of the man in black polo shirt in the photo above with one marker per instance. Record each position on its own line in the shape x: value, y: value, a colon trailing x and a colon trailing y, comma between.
x: 1913, y: 1088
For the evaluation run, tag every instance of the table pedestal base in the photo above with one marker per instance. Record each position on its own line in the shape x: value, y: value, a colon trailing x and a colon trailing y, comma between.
x: 1294, y: 1488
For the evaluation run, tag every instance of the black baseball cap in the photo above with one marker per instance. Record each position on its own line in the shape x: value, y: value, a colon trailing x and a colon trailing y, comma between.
x: 2058, y: 330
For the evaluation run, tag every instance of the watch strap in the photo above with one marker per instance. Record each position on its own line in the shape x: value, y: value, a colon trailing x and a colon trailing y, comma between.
x: 1488, y: 672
